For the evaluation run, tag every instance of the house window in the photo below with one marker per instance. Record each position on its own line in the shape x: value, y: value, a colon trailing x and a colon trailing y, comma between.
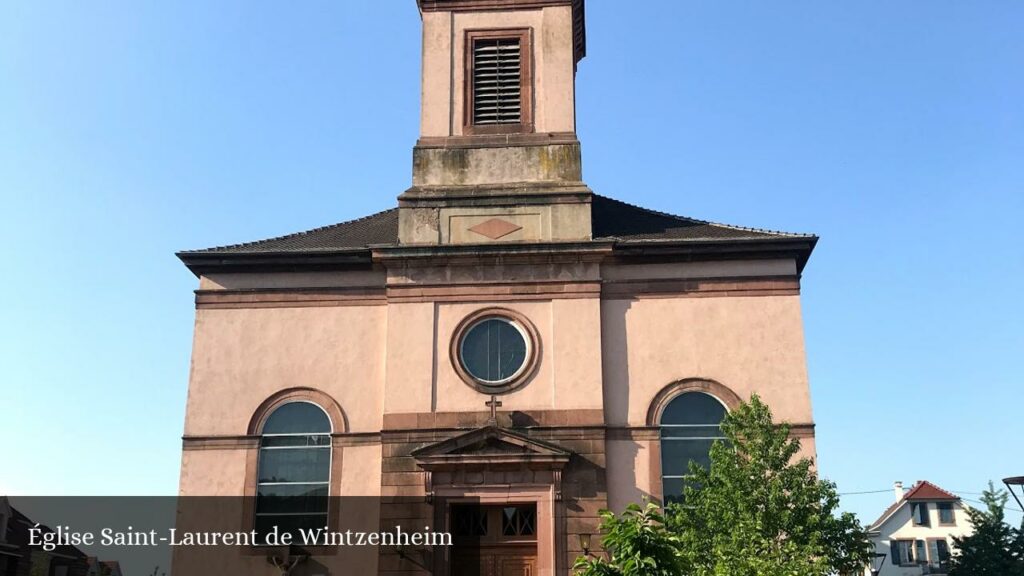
x: 919, y: 513
x: 499, y: 82
x: 690, y: 424
x: 946, y: 517
x: 920, y: 554
x: 903, y: 552
x: 294, y: 469
x: 938, y: 555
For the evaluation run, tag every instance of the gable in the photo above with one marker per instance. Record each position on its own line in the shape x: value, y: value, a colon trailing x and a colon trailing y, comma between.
x: 491, y: 446
x: 925, y: 490
x: 922, y: 491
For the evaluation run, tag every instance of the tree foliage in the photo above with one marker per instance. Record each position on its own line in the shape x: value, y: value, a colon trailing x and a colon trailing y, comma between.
x: 994, y: 548
x: 759, y: 510
x: 637, y: 544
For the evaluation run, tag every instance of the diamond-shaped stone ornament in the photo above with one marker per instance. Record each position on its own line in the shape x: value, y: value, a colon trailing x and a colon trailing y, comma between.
x: 495, y: 228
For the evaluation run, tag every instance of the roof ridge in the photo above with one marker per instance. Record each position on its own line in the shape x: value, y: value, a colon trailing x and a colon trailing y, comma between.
x: 922, y: 483
x: 292, y: 235
x: 708, y: 222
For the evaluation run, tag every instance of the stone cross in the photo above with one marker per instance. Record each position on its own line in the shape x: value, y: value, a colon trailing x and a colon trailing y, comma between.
x: 493, y: 404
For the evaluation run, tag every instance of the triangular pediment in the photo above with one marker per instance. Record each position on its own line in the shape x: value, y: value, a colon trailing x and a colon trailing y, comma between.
x: 491, y: 445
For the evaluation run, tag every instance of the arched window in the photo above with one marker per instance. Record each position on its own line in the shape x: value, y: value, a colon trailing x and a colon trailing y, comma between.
x: 689, y: 425
x: 294, y: 478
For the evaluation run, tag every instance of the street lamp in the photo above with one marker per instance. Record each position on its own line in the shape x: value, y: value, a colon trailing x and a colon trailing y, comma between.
x: 585, y: 543
x: 1017, y: 481
x: 876, y: 564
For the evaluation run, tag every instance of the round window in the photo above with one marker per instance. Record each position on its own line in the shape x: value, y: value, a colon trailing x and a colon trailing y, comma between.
x: 494, y: 351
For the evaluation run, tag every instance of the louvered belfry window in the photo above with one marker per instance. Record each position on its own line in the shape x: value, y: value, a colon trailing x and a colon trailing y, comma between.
x: 499, y: 82
x: 497, y: 98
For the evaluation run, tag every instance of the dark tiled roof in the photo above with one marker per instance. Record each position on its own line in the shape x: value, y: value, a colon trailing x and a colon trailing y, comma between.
x: 617, y: 220
x: 612, y: 220
x: 923, y: 490
x: 379, y: 228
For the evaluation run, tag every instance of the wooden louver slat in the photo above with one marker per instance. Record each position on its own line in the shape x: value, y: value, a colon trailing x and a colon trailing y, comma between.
x: 497, y: 76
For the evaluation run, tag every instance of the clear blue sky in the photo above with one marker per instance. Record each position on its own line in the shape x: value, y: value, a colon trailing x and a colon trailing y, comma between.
x: 894, y: 130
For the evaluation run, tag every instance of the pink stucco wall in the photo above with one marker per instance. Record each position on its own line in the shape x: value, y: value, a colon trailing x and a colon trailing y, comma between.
x: 242, y: 356
x: 749, y: 344
x: 443, y: 66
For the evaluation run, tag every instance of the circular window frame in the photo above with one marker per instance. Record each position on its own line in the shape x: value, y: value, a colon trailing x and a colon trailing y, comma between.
x: 525, y: 372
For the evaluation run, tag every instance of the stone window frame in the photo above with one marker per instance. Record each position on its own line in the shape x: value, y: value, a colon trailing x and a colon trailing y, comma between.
x: 328, y: 447
x: 339, y: 423
x: 533, y: 354
x: 339, y: 427
x: 526, y: 79
x: 661, y: 400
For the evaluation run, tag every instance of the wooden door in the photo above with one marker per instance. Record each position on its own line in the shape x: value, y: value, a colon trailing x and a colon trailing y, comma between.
x: 494, y: 540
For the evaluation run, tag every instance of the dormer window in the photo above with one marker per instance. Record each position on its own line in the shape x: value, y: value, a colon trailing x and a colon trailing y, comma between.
x: 946, y: 517
x: 919, y: 513
x: 499, y: 82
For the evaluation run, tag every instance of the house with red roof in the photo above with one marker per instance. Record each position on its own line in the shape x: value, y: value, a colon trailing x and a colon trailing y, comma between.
x: 916, y: 532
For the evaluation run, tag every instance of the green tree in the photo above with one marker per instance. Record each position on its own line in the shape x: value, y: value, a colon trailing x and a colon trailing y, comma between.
x: 994, y: 548
x: 637, y: 544
x: 1018, y: 543
x: 760, y: 510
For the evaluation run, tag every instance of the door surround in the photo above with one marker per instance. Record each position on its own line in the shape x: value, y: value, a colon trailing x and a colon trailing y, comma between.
x: 548, y: 518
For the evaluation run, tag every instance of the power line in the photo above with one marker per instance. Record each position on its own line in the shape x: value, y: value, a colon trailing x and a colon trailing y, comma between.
x: 1005, y: 506
x: 890, y: 490
x: 865, y: 492
x: 887, y: 490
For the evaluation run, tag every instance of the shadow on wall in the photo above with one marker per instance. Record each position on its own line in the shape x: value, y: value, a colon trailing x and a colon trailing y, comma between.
x: 623, y: 487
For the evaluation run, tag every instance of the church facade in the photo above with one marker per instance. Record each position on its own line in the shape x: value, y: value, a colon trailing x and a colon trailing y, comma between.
x: 501, y: 355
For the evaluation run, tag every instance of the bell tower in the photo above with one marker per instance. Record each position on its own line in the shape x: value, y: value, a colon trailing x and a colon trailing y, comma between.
x: 497, y: 159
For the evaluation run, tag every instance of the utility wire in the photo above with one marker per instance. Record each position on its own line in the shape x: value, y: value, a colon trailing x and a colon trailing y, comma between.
x: 890, y: 490
x: 865, y: 492
x: 1005, y: 506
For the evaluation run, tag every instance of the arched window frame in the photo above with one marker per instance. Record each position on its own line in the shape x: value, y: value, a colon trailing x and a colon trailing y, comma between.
x: 318, y: 440
x: 723, y: 394
x: 339, y: 426
x: 339, y: 421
